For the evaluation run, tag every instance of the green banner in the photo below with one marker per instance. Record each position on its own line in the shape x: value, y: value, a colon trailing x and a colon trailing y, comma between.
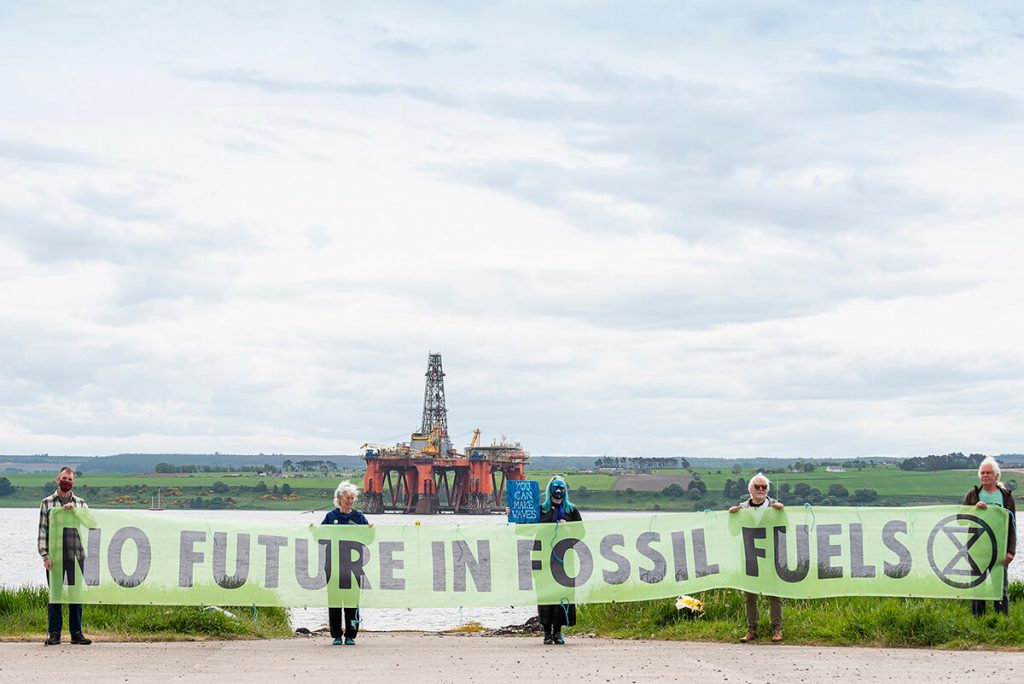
x: 145, y: 558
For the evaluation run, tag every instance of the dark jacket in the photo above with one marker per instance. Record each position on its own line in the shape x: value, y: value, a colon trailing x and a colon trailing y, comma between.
x: 336, y: 517
x: 974, y: 495
x: 570, y: 516
x: 558, y: 615
x: 767, y: 503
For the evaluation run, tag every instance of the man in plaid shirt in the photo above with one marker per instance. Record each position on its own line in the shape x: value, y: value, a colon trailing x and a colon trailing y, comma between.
x: 63, y: 497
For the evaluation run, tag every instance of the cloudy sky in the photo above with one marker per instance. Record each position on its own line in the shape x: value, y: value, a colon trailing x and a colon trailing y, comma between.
x: 647, y: 228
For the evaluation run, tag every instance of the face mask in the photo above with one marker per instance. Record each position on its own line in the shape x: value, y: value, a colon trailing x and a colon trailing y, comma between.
x: 557, y: 492
x: 64, y: 487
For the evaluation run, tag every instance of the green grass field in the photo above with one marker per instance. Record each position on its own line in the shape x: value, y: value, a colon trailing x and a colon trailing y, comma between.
x: 894, y: 487
x: 312, y: 491
x: 887, y: 481
x: 154, y: 480
x: 595, y: 482
x: 111, y: 490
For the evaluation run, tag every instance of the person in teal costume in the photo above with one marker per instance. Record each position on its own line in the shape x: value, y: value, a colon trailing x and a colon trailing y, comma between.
x: 557, y: 508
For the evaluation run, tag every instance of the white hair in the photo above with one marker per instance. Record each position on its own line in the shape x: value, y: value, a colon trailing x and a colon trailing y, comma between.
x: 759, y: 477
x: 346, y: 486
x: 988, y: 460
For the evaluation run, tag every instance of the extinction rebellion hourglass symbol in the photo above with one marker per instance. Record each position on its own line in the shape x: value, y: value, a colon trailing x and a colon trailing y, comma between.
x: 949, y: 546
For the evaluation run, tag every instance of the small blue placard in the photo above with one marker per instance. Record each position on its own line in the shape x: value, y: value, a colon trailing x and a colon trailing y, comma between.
x: 523, y: 498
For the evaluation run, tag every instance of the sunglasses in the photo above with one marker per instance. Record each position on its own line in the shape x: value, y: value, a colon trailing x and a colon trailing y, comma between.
x: 760, y: 486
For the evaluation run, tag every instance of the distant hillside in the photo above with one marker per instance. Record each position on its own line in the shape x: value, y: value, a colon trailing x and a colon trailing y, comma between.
x: 560, y: 462
x: 146, y: 463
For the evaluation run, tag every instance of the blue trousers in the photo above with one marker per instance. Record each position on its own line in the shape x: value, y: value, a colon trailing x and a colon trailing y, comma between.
x: 55, y: 620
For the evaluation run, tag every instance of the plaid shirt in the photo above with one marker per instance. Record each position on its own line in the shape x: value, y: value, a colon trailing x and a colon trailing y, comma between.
x: 56, y: 501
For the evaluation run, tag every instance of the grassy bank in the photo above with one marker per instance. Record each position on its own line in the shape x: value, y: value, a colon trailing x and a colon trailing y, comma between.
x: 846, y: 621
x: 23, y: 616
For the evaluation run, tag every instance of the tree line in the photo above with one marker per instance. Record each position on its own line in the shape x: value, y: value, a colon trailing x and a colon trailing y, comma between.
x: 322, y: 466
x: 803, y: 492
x: 641, y: 463
x: 306, y: 465
x: 953, y: 461
x: 206, y: 468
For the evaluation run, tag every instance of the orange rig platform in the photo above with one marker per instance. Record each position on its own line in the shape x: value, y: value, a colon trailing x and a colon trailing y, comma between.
x: 427, y: 475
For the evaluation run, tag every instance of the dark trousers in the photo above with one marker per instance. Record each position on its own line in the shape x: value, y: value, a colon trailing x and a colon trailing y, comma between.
x: 351, y: 623
x: 555, y: 616
x: 1001, y: 606
x: 55, y: 621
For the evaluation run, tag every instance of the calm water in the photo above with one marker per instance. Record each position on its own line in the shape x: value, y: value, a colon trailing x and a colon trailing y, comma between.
x: 20, y: 565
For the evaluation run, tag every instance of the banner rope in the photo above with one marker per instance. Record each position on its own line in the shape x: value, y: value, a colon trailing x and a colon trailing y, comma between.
x: 458, y: 533
x: 552, y: 542
x: 1012, y: 515
x: 810, y: 509
x: 564, y: 601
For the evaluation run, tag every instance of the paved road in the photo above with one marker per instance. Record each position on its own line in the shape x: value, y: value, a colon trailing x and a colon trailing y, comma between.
x: 403, y: 658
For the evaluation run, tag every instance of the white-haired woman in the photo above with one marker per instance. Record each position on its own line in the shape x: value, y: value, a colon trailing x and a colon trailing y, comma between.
x: 345, y: 514
x: 991, y: 492
x: 759, y: 499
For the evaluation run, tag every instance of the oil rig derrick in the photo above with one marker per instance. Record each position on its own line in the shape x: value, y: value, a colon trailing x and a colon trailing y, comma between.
x: 427, y: 475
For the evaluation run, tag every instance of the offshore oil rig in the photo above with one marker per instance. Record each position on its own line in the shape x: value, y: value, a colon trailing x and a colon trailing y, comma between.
x: 427, y: 475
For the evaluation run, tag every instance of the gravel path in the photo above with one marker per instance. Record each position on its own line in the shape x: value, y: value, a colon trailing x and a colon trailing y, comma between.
x: 405, y: 657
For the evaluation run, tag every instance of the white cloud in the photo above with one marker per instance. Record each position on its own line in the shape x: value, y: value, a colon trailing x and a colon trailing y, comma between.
x: 701, y: 230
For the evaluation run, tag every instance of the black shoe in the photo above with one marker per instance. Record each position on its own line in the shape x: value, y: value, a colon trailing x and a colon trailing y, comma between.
x: 80, y: 640
x: 548, y: 640
x: 52, y: 640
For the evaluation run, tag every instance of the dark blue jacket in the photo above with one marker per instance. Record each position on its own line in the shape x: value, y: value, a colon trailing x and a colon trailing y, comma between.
x: 336, y: 517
